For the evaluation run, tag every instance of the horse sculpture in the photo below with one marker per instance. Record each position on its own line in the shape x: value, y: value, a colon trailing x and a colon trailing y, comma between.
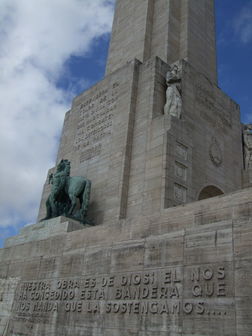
x: 69, y: 194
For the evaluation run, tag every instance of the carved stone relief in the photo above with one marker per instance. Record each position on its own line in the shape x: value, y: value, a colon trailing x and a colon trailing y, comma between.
x: 180, y: 193
x: 182, y: 151
x: 247, y: 148
x: 215, y: 153
x: 173, y: 106
x: 180, y: 171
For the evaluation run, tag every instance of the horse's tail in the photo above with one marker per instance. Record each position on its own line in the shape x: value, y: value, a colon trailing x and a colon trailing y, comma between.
x: 85, y: 199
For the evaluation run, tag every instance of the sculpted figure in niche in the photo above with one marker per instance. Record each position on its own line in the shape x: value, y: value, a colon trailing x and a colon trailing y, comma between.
x: 247, y: 140
x: 69, y: 194
x: 173, y: 106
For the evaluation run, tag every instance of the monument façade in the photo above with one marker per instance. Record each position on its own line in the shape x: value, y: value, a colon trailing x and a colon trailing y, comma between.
x: 170, y: 251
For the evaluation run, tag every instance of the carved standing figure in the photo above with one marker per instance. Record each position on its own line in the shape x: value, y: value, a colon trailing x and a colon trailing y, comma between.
x: 66, y: 193
x: 173, y: 106
x: 247, y: 140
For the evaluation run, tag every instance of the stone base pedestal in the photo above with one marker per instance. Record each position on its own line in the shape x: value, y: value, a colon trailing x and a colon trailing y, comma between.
x: 187, y: 272
x: 44, y: 230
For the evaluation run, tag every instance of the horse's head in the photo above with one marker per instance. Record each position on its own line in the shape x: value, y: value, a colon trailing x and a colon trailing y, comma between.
x: 64, y: 165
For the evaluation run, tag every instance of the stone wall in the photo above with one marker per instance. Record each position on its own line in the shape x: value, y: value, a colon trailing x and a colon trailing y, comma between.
x: 96, y: 139
x: 186, y: 272
x: 142, y: 161
x: 169, y: 29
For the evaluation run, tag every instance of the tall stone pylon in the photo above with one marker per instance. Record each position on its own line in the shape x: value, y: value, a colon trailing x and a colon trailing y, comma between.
x: 169, y: 29
x: 157, y: 131
x: 158, y: 139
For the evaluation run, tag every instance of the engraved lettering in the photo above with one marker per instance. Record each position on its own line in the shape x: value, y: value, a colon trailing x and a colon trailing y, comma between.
x: 174, y: 292
x: 221, y: 273
x: 195, y: 275
x: 197, y: 290
x: 200, y: 309
x: 95, y: 122
x: 208, y: 274
x: 221, y: 289
x: 154, y: 292
x: 164, y: 308
x: 73, y: 307
x: 209, y: 289
x: 187, y: 307
x: 154, y: 308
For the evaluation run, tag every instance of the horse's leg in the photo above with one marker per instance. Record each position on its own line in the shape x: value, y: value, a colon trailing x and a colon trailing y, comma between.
x: 54, y: 205
x: 73, y: 203
x: 48, y: 209
x: 85, y: 199
x: 51, y: 209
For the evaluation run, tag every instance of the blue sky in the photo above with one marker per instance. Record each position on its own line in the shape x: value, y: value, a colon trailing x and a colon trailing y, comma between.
x: 234, y: 50
x: 54, y: 51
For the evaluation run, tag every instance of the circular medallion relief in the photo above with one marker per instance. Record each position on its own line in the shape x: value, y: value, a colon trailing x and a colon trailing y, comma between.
x: 215, y: 153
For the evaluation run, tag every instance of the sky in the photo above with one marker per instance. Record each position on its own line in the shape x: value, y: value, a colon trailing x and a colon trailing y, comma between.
x: 52, y: 50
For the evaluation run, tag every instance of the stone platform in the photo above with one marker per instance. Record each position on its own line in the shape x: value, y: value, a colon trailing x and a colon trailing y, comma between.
x: 159, y: 262
x: 44, y: 230
x: 186, y: 272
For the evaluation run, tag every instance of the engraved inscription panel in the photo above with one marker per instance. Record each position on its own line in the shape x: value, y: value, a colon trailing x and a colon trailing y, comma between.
x: 95, y: 122
x: 210, y: 108
x: 180, y: 171
x: 181, y: 151
x: 167, y: 291
x: 180, y: 193
x: 7, y: 296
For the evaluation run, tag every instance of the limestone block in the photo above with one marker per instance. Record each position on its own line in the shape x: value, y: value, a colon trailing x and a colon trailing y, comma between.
x: 140, y: 276
x: 7, y: 291
x: 43, y: 230
x: 166, y: 29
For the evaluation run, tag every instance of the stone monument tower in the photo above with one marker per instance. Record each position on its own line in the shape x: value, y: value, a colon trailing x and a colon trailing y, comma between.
x: 171, y: 30
x: 169, y: 252
x: 141, y: 154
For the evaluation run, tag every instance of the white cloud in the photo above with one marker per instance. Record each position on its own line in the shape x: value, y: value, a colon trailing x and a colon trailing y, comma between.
x: 37, y: 37
x: 243, y: 24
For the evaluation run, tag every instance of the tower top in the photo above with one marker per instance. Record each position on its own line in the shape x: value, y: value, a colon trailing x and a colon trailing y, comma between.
x: 169, y: 29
